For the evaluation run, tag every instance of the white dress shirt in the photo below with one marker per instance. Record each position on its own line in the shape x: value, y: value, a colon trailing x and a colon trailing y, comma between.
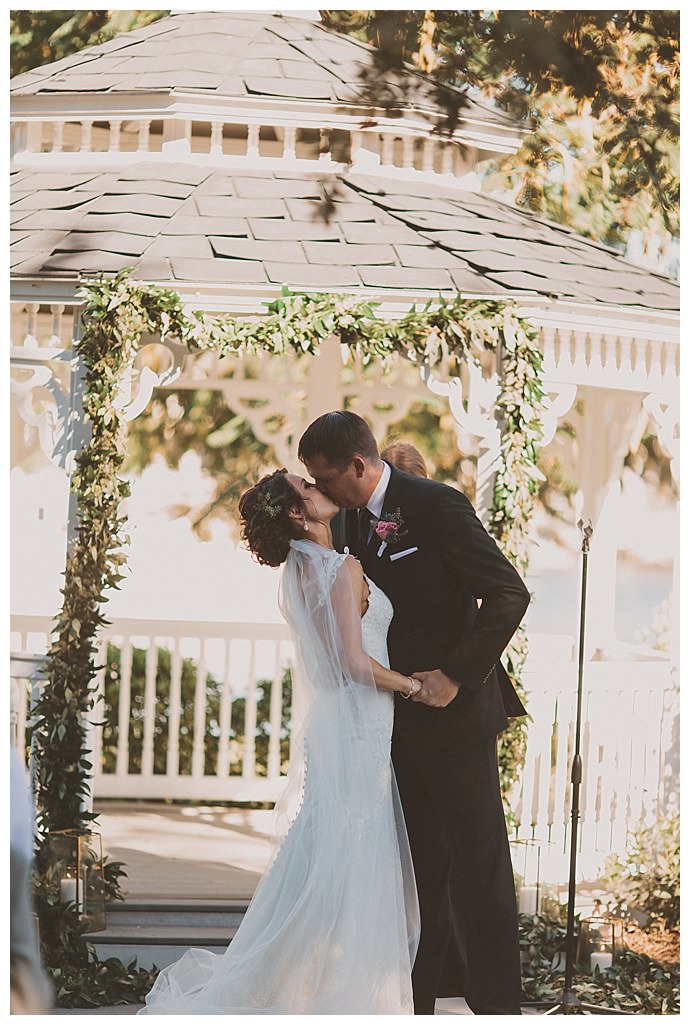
x: 375, y: 503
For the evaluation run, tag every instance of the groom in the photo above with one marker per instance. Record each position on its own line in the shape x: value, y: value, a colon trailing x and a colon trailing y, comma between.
x: 457, y: 602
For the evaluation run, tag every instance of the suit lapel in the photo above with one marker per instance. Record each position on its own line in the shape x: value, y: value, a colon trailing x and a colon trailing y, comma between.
x: 391, y: 501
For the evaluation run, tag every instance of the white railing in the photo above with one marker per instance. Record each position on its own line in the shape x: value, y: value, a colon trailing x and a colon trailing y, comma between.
x: 261, y: 142
x: 167, y: 694
x: 628, y: 748
x: 170, y: 692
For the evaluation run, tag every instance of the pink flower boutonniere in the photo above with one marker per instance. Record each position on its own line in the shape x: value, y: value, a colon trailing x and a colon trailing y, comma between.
x: 390, y: 529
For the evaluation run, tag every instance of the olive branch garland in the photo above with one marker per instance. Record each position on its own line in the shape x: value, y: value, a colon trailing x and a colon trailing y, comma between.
x: 117, y: 312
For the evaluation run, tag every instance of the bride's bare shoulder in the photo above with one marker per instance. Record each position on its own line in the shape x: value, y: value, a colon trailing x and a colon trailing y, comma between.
x: 360, y: 585
x: 354, y: 568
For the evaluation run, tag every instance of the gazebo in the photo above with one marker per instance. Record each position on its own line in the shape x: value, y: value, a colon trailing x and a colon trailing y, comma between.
x: 226, y: 155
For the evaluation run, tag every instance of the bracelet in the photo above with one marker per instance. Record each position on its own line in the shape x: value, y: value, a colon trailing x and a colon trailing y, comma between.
x: 415, y: 687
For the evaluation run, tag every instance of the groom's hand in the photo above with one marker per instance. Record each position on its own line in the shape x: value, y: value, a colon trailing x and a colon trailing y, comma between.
x: 438, y: 690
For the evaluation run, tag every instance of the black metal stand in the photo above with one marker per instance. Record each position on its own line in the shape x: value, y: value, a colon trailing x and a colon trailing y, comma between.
x: 569, y: 1003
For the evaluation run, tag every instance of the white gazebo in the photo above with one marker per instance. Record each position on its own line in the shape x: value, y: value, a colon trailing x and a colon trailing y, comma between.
x: 227, y: 154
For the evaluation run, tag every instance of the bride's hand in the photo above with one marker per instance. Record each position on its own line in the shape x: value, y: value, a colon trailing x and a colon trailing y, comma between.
x: 438, y: 690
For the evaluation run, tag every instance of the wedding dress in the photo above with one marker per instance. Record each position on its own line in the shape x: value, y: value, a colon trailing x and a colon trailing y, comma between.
x: 333, y: 925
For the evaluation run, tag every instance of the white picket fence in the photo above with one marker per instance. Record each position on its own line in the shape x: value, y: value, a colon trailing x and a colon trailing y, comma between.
x: 629, y: 723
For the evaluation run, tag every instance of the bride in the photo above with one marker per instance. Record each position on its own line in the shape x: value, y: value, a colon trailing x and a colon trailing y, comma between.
x: 334, y: 923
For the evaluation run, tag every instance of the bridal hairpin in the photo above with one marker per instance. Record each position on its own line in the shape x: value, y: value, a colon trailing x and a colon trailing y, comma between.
x: 265, y: 505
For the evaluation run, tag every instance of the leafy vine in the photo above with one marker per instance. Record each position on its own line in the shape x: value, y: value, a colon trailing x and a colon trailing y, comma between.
x: 117, y: 312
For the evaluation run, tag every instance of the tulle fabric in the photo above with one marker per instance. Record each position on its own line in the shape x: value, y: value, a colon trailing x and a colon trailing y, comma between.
x: 333, y: 926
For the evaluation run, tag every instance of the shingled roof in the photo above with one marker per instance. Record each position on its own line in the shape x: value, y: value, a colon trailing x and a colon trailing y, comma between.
x: 235, y: 54
x: 179, y: 223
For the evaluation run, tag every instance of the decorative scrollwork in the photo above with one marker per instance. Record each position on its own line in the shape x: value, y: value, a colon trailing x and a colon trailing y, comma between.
x: 665, y: 410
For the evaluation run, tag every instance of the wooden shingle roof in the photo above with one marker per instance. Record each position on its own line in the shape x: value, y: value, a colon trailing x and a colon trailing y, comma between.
x: 239, y: 54
x: 181, y: 223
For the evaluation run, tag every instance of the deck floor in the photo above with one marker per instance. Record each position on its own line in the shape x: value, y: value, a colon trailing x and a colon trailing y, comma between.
x: 198, y: 851
x: 178, y: 851
x: 203, y: 851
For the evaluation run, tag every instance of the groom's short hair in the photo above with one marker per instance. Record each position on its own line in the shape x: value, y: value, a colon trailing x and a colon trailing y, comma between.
x: 337, y: 437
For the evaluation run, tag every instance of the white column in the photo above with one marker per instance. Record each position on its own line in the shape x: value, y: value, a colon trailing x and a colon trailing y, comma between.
x: 324, y: 388
x: 143, y: 137
x: 85, y: 146
x: 76, y: 431
x: 665, y: 409
x: 114, y: 138
x: 290, y: 144
x: 253, y: 141
x: 603, y: 436
x: 325, y: 145
x: 387, y: 143
x: 58, y: 132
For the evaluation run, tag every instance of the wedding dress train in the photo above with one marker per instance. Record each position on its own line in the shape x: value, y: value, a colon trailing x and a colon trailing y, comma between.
x: 333, y: 925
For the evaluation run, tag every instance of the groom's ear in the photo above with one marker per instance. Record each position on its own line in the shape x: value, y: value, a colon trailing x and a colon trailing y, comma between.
x: 359, y: 465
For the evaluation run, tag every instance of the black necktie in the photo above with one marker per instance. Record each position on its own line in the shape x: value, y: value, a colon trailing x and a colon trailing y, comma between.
x: 364, y: 517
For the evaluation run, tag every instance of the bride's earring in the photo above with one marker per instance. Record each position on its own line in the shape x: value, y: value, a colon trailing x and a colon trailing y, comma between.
x: 306, y: 525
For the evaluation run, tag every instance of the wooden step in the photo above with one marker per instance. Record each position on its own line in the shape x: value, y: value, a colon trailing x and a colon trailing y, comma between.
x: 157, y: 932
x: 186, y: 913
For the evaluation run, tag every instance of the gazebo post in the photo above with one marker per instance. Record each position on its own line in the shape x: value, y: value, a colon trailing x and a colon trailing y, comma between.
x: 76, y: 431
x: 76, y: 435
x: 325, y: 388
x: 603, y: 434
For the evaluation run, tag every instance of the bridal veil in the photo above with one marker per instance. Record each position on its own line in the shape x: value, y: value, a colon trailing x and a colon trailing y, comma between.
x: 333, y: 926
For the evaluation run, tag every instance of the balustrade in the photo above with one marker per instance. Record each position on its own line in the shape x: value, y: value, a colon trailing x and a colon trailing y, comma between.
x: 121, y: 139
x: 191, y: 721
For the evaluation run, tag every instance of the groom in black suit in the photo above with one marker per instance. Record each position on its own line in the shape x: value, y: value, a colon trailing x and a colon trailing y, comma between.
x: 457, y: 602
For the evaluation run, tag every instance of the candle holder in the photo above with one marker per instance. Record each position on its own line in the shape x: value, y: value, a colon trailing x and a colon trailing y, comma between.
x: 599, y: 942
x: 526, y: 855
x: 75, y: 875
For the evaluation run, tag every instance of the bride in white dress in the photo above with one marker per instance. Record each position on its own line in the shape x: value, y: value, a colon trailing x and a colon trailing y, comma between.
x: 333, y: 926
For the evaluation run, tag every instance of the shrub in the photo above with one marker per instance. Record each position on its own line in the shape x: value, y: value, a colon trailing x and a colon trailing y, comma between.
x: 647, y: 876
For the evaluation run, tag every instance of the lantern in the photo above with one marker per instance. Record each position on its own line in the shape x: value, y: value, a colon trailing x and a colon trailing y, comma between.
x: 76, y: 874
x: 599, y: 942
x: 526, y: 857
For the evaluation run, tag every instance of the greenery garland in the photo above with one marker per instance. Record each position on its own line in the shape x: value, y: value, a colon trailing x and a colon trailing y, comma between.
x: 114, y: 318
x: 117, y: 312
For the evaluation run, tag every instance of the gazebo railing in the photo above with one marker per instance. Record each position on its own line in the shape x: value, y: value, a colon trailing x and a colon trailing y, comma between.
x: 186, y: 710
x: 259, y: 141
x: 628, y: 746
x: 201, y: 711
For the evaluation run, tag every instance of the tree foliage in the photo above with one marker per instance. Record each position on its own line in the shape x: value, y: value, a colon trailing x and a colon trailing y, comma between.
x: 177, y: 422
x: 40, y: 37
x: 599, y: 90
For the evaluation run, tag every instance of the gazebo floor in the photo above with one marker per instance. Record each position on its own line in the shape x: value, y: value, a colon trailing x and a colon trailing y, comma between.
x: 186, y: 852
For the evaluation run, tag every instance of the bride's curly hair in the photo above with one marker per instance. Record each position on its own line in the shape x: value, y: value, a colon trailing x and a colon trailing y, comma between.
x: 265, y: 524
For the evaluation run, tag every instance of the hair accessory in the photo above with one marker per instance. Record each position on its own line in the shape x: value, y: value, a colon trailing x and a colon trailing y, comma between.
x: 265, y: 505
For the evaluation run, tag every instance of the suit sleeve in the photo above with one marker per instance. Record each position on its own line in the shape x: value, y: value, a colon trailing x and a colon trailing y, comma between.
x: 474, y: 560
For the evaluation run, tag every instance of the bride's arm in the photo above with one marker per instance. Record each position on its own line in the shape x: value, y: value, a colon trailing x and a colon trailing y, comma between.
x: 385, y: 679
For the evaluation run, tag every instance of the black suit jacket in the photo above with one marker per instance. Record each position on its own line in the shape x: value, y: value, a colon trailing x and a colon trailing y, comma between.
x: 437, y: 623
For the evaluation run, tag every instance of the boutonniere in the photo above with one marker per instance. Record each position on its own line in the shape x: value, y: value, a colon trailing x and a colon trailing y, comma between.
x: 390, y: 528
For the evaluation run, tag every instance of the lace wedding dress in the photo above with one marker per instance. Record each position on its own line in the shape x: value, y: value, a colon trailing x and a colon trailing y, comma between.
x: 334, y: 923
